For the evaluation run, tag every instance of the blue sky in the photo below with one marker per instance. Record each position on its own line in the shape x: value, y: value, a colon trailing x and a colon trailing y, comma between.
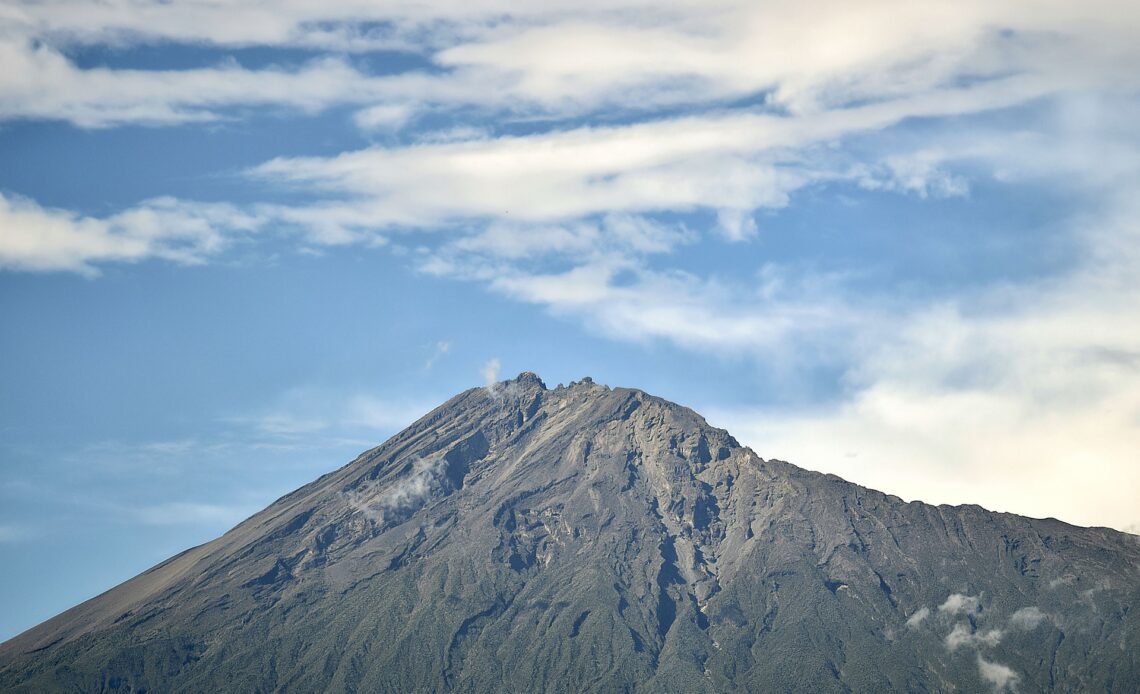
x: 896, y: 241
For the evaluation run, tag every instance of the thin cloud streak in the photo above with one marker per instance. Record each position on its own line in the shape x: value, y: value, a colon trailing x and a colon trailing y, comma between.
x: 193, y: 513
x: 42, y: 239
x: 730, y: 162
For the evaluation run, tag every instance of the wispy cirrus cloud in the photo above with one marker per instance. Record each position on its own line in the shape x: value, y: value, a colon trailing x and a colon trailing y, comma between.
x: 314, y: 414
x: 728, y: 160
x: 731, y: 162
x: 194, y: 513
x: 558, y: 58
x: 42, y: 83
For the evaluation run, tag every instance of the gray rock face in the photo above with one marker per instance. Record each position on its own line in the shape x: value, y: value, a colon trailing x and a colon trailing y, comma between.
x: 588, y: 539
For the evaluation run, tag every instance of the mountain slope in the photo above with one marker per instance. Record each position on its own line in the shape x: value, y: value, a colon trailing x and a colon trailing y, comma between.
x: 583, y: 538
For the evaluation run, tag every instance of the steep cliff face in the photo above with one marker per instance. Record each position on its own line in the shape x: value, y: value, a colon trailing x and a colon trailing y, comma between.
x: 595, y: 539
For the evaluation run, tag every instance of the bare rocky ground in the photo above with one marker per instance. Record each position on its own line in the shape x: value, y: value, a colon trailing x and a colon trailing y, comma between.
x: 584, y: 538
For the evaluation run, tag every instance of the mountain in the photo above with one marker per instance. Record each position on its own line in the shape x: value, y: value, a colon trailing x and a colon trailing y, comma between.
x: 582, y: 538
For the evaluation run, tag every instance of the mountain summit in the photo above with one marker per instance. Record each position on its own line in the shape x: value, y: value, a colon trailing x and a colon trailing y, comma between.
x: 519, y: 538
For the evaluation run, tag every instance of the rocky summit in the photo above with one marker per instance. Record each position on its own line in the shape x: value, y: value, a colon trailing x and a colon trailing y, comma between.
x: 525, y: 539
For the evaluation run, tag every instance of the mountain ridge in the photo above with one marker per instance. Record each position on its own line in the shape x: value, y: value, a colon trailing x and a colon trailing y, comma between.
x: 519, y: 537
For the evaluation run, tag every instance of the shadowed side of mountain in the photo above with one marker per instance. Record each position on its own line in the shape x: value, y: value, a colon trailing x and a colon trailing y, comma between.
x: 588, y: 538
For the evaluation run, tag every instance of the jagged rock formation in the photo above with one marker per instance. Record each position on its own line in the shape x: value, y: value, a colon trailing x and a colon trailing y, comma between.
x: 588, y: 539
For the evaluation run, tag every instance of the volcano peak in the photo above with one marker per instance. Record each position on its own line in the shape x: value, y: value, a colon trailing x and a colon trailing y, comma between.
x: 527, y: 539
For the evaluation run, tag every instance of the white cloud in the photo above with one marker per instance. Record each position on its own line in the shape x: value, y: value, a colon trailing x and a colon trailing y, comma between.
x: 40, y: 82
x: 811, y: 55
x: 1019, y: 397
x: 917, y: 172
x: 42, y: 239
x: 383, y: 117
x: 729, y: 162
x: 624, y: 300
x: 917, y: 618
x: 529, y: 194
x: 502, y: 251
x: 563, y: 58
x: 330, y: 24
x: 1026, y: 618
x: 736, y: 224
x: 405, y: 495
x: 962, y: 635
x: 517, y: 241
x: 958, y: 603
x: 1000, y: 676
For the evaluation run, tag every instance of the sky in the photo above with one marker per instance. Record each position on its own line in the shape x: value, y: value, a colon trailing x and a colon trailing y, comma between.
x: 241, y: 242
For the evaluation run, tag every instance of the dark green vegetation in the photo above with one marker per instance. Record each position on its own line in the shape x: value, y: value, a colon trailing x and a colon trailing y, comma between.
x: 588, y: 539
